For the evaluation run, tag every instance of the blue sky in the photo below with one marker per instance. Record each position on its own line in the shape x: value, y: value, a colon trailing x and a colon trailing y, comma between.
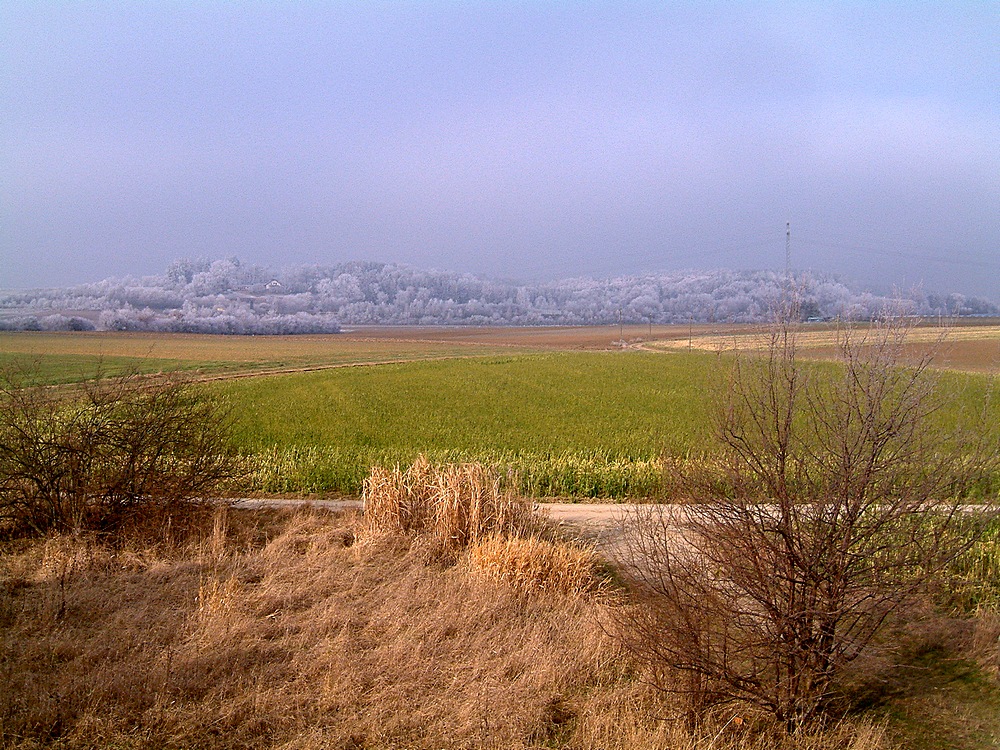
x: 523, y: 140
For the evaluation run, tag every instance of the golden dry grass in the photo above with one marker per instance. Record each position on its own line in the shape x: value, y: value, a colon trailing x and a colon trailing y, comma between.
x: 305, y: 641
x: 529, y: 564
x: 277, y: 630
x: 456, y: 504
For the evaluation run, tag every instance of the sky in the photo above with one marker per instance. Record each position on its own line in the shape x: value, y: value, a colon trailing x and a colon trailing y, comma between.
x: 525, y: 141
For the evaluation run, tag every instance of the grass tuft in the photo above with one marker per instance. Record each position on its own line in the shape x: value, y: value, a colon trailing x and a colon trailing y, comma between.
x: 533, y: 564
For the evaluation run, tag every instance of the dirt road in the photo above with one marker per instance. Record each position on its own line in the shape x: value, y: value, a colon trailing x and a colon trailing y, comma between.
x: 596, y: 522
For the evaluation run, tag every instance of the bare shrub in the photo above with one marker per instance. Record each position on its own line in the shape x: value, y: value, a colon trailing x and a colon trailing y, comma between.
x: 457, y: 505
x: 839, y: 497
x: 118, y: 451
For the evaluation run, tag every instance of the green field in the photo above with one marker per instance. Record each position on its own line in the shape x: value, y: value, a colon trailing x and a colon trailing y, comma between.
x: 565, y: 410
x: 617, y: 403
x: 569, y: 423
x: 576, y: 424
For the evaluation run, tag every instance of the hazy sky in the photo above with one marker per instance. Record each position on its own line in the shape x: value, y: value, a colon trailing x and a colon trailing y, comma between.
x: 526, y: 140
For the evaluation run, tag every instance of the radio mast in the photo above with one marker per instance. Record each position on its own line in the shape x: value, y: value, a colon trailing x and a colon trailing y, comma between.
x: 787, y: 297
x: 788, y: 253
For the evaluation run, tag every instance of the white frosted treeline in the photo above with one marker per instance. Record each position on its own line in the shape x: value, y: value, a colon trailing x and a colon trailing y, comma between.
x: 227, y: 296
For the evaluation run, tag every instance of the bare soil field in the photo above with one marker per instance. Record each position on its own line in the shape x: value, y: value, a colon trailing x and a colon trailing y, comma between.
x: 972, y: 346
x: 544, y: 337
x: 968, y: 347
x: 64, y: 357
x: 352, y: 339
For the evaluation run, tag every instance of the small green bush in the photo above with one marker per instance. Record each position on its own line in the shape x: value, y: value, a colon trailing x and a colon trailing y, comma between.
x: 106, y: 454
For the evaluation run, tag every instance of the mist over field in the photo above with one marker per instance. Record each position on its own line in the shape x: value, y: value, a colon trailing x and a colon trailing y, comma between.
x: 529, y: 141
x: 230, y: 297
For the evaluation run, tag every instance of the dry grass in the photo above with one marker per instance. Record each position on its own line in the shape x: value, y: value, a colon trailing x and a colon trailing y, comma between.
x: 457, y: 504
x: 272, y: 629
x: 985, y: 641
x: 529, y: 564
x: 304, y: 641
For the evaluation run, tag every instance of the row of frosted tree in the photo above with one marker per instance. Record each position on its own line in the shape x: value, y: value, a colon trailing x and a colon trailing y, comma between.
x: 227, y: 296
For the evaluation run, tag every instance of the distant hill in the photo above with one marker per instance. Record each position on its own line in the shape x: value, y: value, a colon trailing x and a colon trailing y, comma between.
x: 226, y: 296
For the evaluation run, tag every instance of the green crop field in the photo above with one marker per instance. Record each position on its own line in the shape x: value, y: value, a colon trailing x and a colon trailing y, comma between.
x: 570, y: 423
x: 613, y: 402
x: 566, y: 410
x: 579, y: 424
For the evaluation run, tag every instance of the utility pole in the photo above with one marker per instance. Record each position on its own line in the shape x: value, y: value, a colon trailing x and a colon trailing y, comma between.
x: 621, y: 328
x: 787, y: 313
x: 788, y: 253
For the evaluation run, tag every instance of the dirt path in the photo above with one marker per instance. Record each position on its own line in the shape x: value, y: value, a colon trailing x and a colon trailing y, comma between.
x: 593, y: 522
x: 596, y: 515
x: 237, y: 374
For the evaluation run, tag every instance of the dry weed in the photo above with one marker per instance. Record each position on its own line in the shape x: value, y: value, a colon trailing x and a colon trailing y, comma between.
x: 533, y: 564
x: 457, y: 505
x: 984, y: 644
x: 625, y: 714
x: 399, y: 501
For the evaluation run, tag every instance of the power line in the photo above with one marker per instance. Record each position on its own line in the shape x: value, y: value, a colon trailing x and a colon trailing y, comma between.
x: 866, y: 250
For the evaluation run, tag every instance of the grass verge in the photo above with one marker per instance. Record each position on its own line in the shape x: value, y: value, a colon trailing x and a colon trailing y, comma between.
x: 298, y: 630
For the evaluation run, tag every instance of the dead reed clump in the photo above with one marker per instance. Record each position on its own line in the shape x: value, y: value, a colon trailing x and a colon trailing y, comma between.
x: 471, y: 505
x: 456, y: 505
x: 533, y: 564
x: 399, y: 500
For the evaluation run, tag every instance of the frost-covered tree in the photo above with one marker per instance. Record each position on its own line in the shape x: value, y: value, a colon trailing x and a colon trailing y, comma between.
x: 228, y: 296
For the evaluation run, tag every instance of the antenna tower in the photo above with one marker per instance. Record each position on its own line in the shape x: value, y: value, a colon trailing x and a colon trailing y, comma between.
x: 788, y: 252
x: 786, y: 294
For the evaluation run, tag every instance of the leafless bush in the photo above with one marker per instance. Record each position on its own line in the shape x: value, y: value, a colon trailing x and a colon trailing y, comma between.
x: 117, y: 451
x: 839, y: 498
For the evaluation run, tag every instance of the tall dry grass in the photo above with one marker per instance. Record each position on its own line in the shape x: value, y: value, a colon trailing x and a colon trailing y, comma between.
x: 273, y: 629
x: 456, y: 504
x: 532, y: 563
x: 468, y: 510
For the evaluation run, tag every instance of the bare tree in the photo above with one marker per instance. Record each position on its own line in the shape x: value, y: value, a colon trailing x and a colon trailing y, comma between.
x: 105, y: 453
x: 836, y: 498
